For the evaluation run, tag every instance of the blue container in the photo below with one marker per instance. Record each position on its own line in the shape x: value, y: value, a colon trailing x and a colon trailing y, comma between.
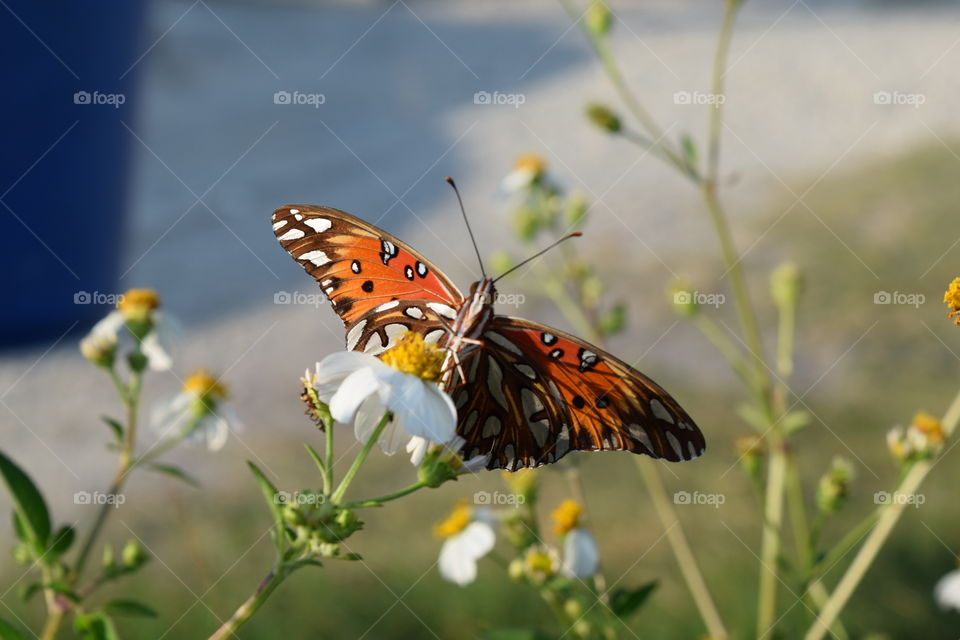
x: 69, y: 73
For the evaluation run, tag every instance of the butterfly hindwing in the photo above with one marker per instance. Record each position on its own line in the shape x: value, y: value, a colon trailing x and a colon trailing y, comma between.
x: 378, y: 285
x: 533, y: 394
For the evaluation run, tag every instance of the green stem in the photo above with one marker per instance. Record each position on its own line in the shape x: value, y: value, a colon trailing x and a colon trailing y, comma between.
x: 846, y: 543
x: 723, y: 344
x: 798, y: 515
x: 250, y: 606
x: 889, y: 515
x: 681, y: 549
x: 361, y: 457
x: 328, y: 452
x: 376, y: 502
x: 717, y: 87
x: 770, y: 541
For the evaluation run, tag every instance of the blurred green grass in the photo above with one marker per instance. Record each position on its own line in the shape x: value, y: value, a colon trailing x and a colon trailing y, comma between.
x: 886, y: 226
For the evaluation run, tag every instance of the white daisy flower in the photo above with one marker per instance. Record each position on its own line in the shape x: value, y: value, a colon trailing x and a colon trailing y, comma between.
x: 529, y: 168
x: 947, y: 591
x: 199, y: 413
x: 137, y: 311
x: 467, y: 535
x: 360, y: 388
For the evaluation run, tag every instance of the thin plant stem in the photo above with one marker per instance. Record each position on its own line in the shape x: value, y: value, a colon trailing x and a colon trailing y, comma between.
x: 681, y: 549
x: 250, y: 606
x: 361, y: 457
x: 887, y: 520
x: 376, y: 502
x: 328, y: 452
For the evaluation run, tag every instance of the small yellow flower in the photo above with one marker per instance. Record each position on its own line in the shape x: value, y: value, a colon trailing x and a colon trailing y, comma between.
x: 520, y: 481
x: 415, y: 356
x: 202, y: 384
x: 99, y: 348
x: 566, y: 517
x: 952, y: 298
x: 540, y: 563
x: 138, y: 304
x: 532, y: 163
x: 456, y: 522
x: 929, y: 426
x: 898, y: 445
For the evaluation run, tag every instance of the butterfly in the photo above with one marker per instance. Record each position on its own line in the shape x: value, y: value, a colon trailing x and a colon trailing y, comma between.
x: 526, y: 394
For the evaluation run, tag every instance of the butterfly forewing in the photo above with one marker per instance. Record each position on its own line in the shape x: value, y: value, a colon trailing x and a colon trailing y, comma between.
x: 378, y: 285
x: 534, y: 394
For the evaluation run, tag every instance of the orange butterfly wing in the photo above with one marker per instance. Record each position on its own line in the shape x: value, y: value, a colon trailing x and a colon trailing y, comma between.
x: 379, y: 286
x: 534, y: 394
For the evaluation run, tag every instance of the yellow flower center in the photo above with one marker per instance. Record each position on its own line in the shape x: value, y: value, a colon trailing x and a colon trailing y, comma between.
x: 532, y: 162
x: 202, y: 384
x: 540, y: 563
x: 928, y: 425
x: 952, y: 298
x: 136, y: 304
x: 566, y: 516
x: 415, y: 356
x: 456, y: 522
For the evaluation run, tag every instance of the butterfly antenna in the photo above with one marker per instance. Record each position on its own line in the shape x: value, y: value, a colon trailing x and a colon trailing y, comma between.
x: 575, y: 234
x: 469, y: 230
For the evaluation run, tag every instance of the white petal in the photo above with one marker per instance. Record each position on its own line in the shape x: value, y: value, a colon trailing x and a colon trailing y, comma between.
x: 517, y: 180
x: 947, y: 591
x: 580, y: 555
x: 170, y: 418
x: 368, y: 417
x: 417, y: 448
x: 356, y: 388
x: 459, y: 554
x: 109, y: 326
x: 334, y: 369
x: 157, y: 354
x: 213, y: 431
x: 393, y: 438
x: 424, y: 410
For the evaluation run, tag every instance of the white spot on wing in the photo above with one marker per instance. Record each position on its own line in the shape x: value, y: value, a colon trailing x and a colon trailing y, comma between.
x: 433, y: 337
x: 414, y: 312
x: 316, y: 256
x: 353, y: 336
x: 279, y: 225
x: 495, y: 382
x: 526, y: 370
x: 294, y: 210
x: 444, y: 310
x: 293, y: 234
x: 318, y: 224
x: 491, y: 426
x: 394, y: 331
x: 660, y: 411
x: 675, y: 444
x: 693, y: 451
x: 503, y: 341
x: 388, y: 305
x: 640, y: 435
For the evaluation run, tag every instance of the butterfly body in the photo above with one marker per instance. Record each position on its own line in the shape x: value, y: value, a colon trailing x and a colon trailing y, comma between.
x: 526, y: 394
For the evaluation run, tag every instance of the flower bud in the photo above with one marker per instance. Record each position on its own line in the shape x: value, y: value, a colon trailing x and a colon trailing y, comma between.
x: 133, y: 555
x: 100, y: 349
x: 786, y: 283
x: 566, y: 516
x: 952, y: 300
x: 834, y: 486
x: 684, y: 302
x: 573, y: 608
x: 438, y: 467
x: 576, y: 208
x: 598, y: 18
x: 516, y: 570
x: 603, y: 117
x: 752, y: 452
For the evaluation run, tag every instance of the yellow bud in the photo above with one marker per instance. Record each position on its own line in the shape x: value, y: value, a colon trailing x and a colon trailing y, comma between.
x: 138, y: 304
x: 566, y: 517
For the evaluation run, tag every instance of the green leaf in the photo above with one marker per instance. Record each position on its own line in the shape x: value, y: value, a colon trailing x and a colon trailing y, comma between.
x: 794, y: 421
x: 62, y: 540
x: 129, y: 608
x: 115, y: 427
x: 9, y: 632
x: 18, y: 528
x: 95, y: 626
x: 615, y: 320
x: 27, y: 591
x: 58, y: 586
x: 270, y: 495
x: 689, y: 150
x: 753, y: 416
x: 28, y: 503
x: 176, y: 472
x: 626, y: 602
